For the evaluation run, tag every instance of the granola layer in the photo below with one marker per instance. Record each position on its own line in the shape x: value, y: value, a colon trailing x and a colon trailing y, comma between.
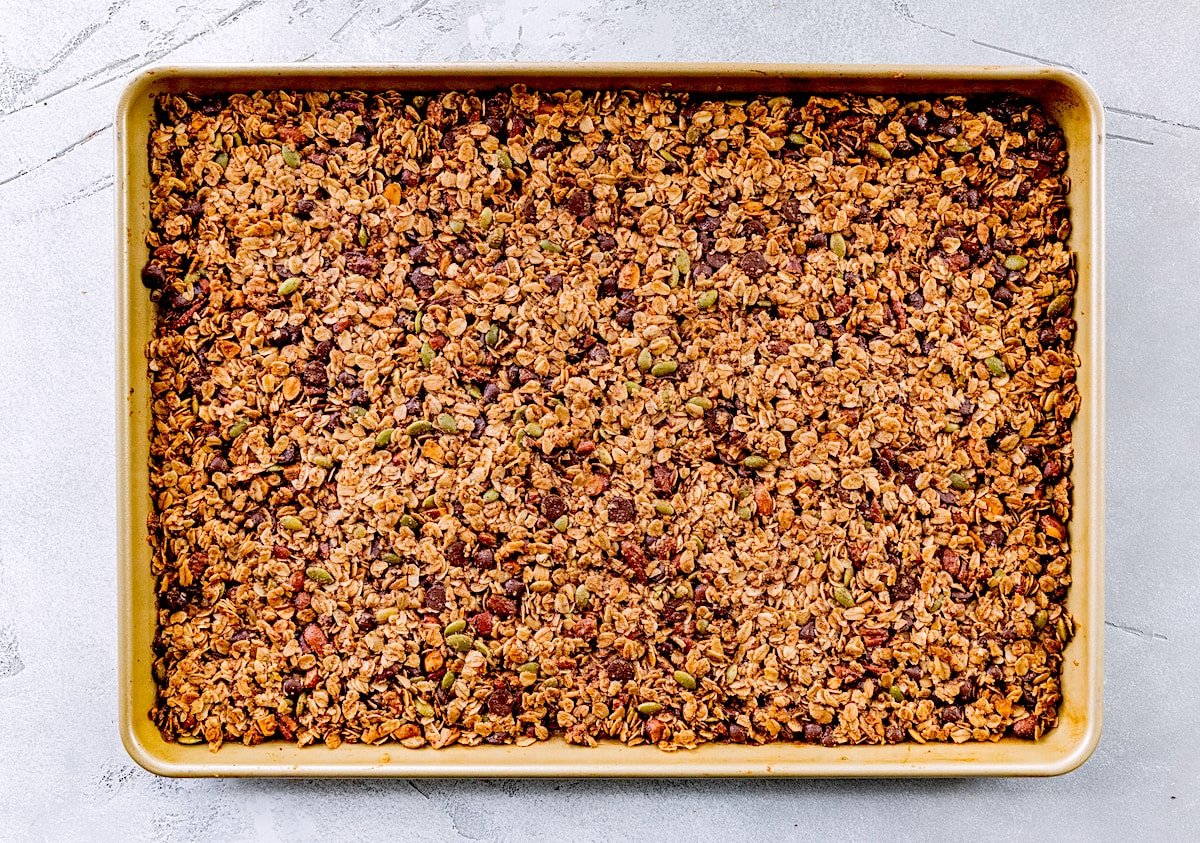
x: 610, y: 415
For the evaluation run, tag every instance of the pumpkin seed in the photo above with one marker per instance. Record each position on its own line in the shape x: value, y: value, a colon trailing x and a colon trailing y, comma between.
x: 461, y: 643
x: 645, y: 360
x: 383, y: 438
x: 798, y: 139
x: 318, y: 574
x: 238, y: 428
x: 701, y: 402
x: 683, y: 262
x: 323, y: 461
x: 744, y: 513
x: 702, y: 625
x: 423, y: 708
x: 959, y: 483
x: 649, y: 708
x: 996, y: 366
x: 485, y: 219
x: 457, y: 226
x: 561, y: 523
x: 362, y: 236
x: 664, y: 507
x: 411, y: 522
x: 837, y: 244
x: 290, y: 157
x: 685, y: 679
x: 529, y: 667
x: 937, y: 604
x: 663, y: 368
x: 879, y: 151
x: 490, y: 496
x: 222, y: 160
x: 504, y: 159
x: 446, y: 422
x: 188, y: 740
x: 583, y: 597
x: 484, y: 649
x: 426, y: 355
x: 707, y: 299
x: 1015, y: 263
x: 454, y: 627
x: 731, y: 673
x: 755, y: 462
x: 843, y: 596
x: 957, y: 146
x: 551, y: 246
x: 897, y: 694
x: 534, y: 429
x: 951, y: 427
x: 291, y: 522
x: 448, y: 679
x: 392, y: 558
x: 492, y: 338
x: 1040, y: 617
x: 289, y: 286
x: 417, y: 317
x: 1059, y: 306
x: 418, y: 428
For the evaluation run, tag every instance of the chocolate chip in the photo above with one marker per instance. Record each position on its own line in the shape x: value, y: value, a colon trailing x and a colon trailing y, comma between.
x: 606, y: 242
x: 554, y: 282
x: 501, y: 702
x: 792, y: 210
x: 314, y: 374
x: 361, y: 264
x: 663, y: 478
x: 624, y: 317
x: 484, y: 558
x: 456, y: 554
x: 289, y: 454
x: 541, y: 149
x: 423, y: 280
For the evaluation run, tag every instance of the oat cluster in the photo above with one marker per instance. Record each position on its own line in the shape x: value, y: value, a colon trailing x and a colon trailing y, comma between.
x: 609, y: 415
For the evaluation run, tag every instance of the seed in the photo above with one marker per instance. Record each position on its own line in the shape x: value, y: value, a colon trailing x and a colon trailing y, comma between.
x: 392, y: 558
x: 289, y: 286
x: 707, y: 299
x: 290, y: 157
x: 550, y: 246
x: 383, y: 438
x: 583, y: 597
x: 797, y: 139
x: 959, y: 483
x: 694, y: 410
x: 1040, y: 617
x: 649, y: 708
x: 446, y: 422
x: 755, y: 462
x: 239, y: 427
x: 423, y: 708
x: 951, y: 427
x: 702, y: 625
x: 222, y: 160
x: 323, y: 461
x: 411, y: 522
x: 996, y: 366
x: 505, y: 159
x: 454, y: 627
x: 529, y: 667
x: 666, y: 155
x: 663, y: 368
x: 417, y: 317
x: 485, y: 218
x: 1059, y: 306
x: 291, y: 522
x: 534, y: 429
x: 362, y: 236
x: 188, y: 740
x: 490, y: 496
x: 843, y: 596
x: 561, y: 523
x: 461, y: 643
x: 744, y: 513
x: 837, y: 243
x: 457, y: 226
x: 385, y: 615
x: 448, y: 680
x: 1060, y: 629
x: 879, y: 151
x: 318, y: 574
x: 418, y: 428
x: 645, y: 360
x: 1015, y: 263
x: 937, y: 604
x: 897, y: 694
x: 701, y: 402
x: 663, y: 507
x: 492, y: 337
x: 426, y: 355
x: 474, y: 392
x: 683, y: 262
x: 685, y: 679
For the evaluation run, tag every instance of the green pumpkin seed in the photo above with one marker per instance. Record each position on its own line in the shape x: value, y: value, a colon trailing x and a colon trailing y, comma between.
x: 879, y: 151
x: 529, y: 667
x: 755, y: 462
x: 686, y: 679
x: 490, y: 496
x: 448, y: 679
x: 383, y: 438
x: 411, y: 522
x: 702, y: 625
x: 837, y: 244
x: 843, y: 596
x: 701, y: 402
x: 362, y: 236
x: 461, y: 643
x: 423, y: 708
x: 692, y: 134
x: 290, y: 157
x: 417, y: 317
x: 663, y: 368
x: 454, y: 627
x: 694, y: 410
x: 457, y: 226
x: 797, y: 139
x: 996, y: 366
x: 291, y: 522
x: 583, y: 597
x: 504, y: 159
x: 683, y: 262
x: 392, y: 558
x: 951, y: 427
x: 323, y: 461
x: 484, y: 649
x: 474, y: 391
x: 427, y: 355
x: 664, y: 507
x: 937, y: 604
x: 1040, y: 618
x: 1015, y: 263
x: 446, y: 423
x: 561, y: 523
x: 419, y: 428
x: 485, y: 219
x: 645, y: 360
x: 959, y: 483
x: 318, y: 574
x: 897, y: 694
x: 707, y: 299
x: 236, y: 139
x: 649, y: 709
x: 189, y: 740
x: 289, y: 286
x: 551, y: 246
x: 1059, y: 306
x: 492, y: 338
x: 534, y: 429
x: 238, y: 428
x: 222, y: 160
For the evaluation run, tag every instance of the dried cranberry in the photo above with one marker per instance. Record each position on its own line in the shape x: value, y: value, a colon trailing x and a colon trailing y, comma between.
x: 619, y: 669
x: 620, y: 511
x: 501, y: 606
x: 435, y: 597
x: 154, y: 277
x: 553, y: 507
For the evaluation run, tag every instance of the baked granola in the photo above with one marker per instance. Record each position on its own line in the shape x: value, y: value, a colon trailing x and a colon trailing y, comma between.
x: 644, y: 416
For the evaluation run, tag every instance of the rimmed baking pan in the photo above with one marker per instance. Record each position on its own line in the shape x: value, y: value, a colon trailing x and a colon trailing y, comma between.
x: 1064, y: 96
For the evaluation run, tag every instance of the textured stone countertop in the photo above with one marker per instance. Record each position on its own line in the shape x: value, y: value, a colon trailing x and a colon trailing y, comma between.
x: 63, y: 64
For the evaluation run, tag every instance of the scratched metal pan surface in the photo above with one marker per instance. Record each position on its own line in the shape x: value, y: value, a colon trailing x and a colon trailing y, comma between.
x: 1065, y: 96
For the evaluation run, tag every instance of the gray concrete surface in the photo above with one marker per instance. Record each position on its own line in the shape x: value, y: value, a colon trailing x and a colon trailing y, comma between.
x: 63, y: 773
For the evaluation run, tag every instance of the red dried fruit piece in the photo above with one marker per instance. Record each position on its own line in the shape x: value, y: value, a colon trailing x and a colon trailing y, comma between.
x: 1053, y: 527
x: 501, y: 606
x: 435, y: 597
x: 315, y: 638
x: 500, y: 702
x: 655, y: 729
x: 950, y: 562
x: 1026, y: 728
x: 874, y: 637
x: 663, y: 478
x: 483, y: 623
x: 553, y: 507
x: 619, y: 669
x: 621, y: 511
x: 297, y: 581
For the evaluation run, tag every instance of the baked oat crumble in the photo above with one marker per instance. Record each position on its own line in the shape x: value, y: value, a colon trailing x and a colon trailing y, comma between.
x: 629, y: 415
